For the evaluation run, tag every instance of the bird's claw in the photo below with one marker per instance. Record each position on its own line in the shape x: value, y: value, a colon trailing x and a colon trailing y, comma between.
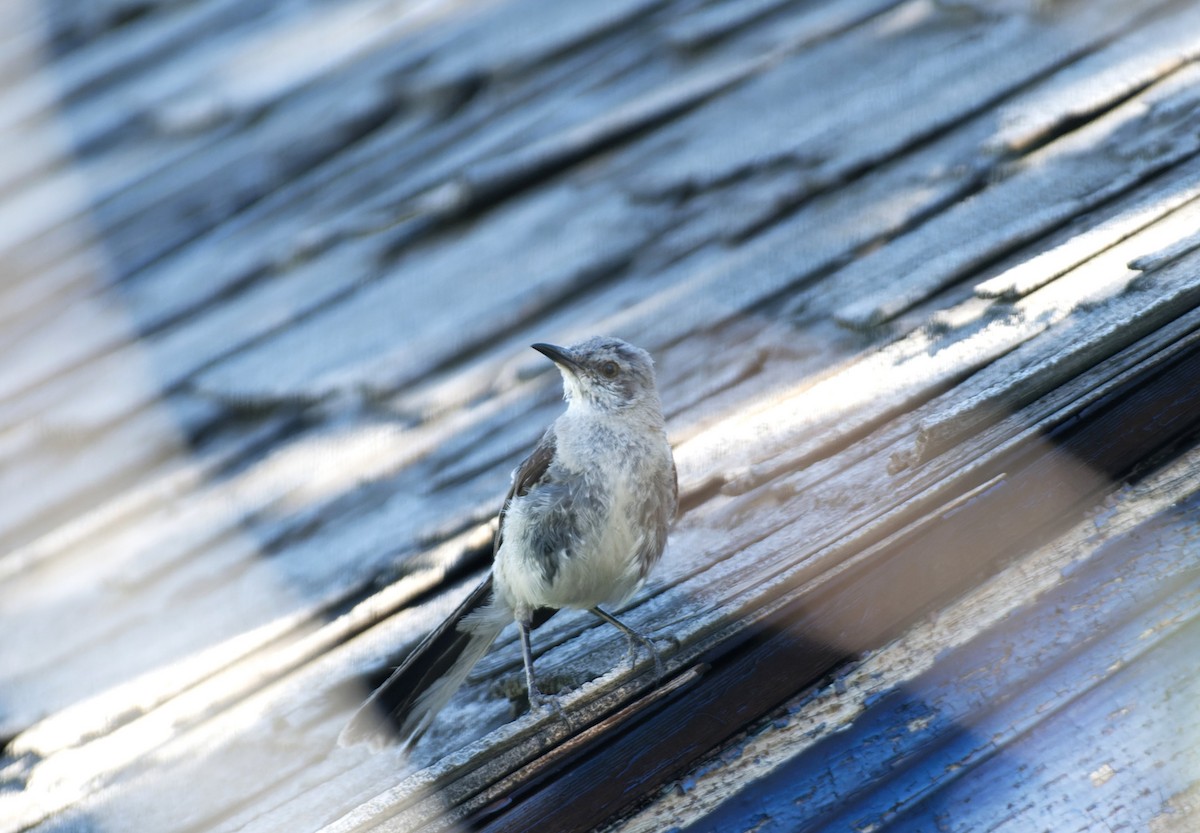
x: 540, y: 702
x: 659, y: 667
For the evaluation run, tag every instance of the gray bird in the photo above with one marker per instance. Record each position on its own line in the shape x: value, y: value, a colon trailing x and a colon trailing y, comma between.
x: 583, y: 523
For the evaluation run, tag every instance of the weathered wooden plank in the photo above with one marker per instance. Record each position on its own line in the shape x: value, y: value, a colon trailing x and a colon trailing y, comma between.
x: 34, y: 293
x: 478, y: 178
x: 820, y: 111
x: 803, y: 247
x: 487, y: 181
x: 149, y: 218
x: 1167, y: 255
x: 1127, y: 598
x: 705, y: 289
x: 196, y: 283
x: 209, y: 184
x: 68, y: 25
x: 638, y: 113
x: 310, y: 796
x: 145, y: 566
x: 137, y: 46
x: 48, y: 426
x: 269, y: 232
x: 1021, y: 376
x: 357, y: 192
x: 130, y: 503
x: 45, y: 215
x: 531, y: 255
x: 805, y: 23
x: 297, y: 292
x: 1117, y: 757
x: 795, y: 429
x: 258, y: 666
x: 202, y: 66
x: 860, y: 483
x: 94, y: 77
x: 47, y: 479
x: 294, y: 54
x: 500, y: 40
x: 147, y: 204
x: 816, y: 716
x: 257, y: 245
x: 31, y: 141
x: 219, y: 63
x: 16, y: 43
x: 1090, y: 234
x: 91, y: 398
x: 1074, y: 174
x: 99, y: 119
x: 1099, y: 81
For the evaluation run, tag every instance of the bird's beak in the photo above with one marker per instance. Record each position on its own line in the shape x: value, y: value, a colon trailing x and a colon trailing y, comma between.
x: 559, y: 355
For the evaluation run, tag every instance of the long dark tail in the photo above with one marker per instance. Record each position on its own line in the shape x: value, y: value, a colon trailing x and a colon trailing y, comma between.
x: 403, y: 707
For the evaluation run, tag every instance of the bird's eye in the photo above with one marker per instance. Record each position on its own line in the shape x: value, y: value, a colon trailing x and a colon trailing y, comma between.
x: 609, y: 369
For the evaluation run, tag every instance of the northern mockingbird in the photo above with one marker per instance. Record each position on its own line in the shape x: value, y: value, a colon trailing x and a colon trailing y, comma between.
x: 584, y: 521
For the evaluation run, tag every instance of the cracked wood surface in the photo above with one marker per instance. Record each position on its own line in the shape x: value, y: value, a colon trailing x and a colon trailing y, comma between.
x: 271, y: 274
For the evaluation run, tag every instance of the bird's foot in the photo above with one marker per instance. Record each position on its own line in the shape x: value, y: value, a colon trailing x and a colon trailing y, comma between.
x: 540, y: 702
x: 634, y: 640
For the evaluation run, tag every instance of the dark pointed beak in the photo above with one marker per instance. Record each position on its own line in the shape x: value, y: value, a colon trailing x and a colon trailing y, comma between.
x: 559, y: 355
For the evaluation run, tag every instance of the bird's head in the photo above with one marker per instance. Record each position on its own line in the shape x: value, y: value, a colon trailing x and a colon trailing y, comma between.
x: 604, y: 373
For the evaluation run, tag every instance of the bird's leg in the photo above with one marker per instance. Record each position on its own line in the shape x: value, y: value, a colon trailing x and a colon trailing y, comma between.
x: 536, y: 698
x: 634, y: 638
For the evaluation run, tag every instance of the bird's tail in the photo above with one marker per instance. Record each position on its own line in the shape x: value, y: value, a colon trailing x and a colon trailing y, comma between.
x: 403, y: 707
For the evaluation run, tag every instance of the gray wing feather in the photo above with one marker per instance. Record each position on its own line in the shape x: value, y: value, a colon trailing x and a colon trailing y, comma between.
x: 556, y: 532
x: 657, y: 516
x: 531, y: 472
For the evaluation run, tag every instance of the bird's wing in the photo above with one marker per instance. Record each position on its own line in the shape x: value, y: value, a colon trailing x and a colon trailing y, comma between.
x: 531, y: 471
x: 674, y: 490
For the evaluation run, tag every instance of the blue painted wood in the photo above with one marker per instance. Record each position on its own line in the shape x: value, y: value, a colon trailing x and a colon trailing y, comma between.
x: 915, y: 760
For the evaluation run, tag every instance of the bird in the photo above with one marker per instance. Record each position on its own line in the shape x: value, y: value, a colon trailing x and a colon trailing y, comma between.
x: 584, y: 521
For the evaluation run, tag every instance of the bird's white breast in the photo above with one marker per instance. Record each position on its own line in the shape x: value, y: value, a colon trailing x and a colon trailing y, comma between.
x: 601, y: 566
